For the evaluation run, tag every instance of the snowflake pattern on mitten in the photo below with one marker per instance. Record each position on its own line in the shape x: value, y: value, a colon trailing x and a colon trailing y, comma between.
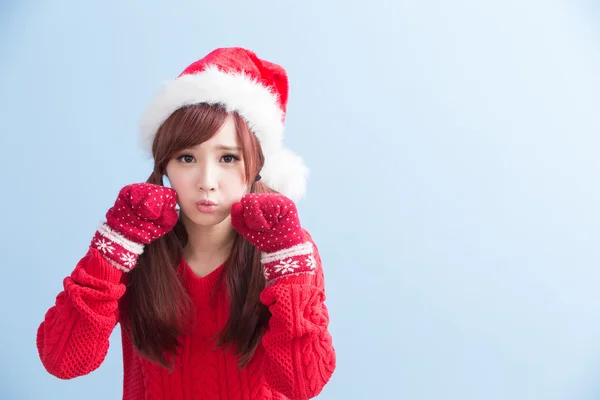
x: 142, y: 213
x: 270, y: 221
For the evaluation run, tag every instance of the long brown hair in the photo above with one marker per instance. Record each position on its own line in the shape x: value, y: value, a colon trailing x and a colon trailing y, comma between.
x: 156, y: 305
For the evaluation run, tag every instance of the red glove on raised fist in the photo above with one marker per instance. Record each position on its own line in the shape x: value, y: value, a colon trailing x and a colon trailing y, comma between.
x: 270, y: 221
x: 142, y: 213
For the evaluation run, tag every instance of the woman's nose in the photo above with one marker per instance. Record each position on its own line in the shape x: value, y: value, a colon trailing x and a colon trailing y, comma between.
x: 207, y: 178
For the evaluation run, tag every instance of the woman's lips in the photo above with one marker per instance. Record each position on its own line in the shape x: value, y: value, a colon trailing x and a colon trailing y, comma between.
x: 206, y: 206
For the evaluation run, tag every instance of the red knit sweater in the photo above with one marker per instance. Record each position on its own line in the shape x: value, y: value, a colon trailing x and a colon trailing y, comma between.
x: 294, y: 360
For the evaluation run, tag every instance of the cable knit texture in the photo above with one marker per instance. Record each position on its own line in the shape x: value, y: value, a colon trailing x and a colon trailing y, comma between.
x: 294, y: 360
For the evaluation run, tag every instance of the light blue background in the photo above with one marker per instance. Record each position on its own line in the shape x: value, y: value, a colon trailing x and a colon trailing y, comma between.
x: 454, y: 188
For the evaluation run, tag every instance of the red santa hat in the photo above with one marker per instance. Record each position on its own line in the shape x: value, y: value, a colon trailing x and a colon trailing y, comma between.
x: 256, y: 89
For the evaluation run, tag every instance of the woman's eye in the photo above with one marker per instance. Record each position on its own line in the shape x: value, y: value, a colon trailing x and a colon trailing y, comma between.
x: 186, y: 158
x: 229, y: 158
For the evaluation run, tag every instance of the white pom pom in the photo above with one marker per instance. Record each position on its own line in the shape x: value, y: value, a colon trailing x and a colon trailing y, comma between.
x: 285, y: 172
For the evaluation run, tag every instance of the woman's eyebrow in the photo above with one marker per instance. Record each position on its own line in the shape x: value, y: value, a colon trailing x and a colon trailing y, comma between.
x: 228, y: 148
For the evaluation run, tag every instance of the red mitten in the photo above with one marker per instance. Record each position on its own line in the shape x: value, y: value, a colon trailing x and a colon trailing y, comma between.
x: 270, y: 221
x: 142, y: 213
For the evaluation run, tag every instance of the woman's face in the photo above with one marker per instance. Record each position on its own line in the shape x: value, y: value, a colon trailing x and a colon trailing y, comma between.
x: 209, y: 177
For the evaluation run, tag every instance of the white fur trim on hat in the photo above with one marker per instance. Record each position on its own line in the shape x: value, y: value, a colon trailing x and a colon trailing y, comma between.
x: 258, y: 105
x: 285, y: 172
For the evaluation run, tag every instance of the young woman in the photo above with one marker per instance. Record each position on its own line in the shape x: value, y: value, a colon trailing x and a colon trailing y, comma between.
x: 222, y: 297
